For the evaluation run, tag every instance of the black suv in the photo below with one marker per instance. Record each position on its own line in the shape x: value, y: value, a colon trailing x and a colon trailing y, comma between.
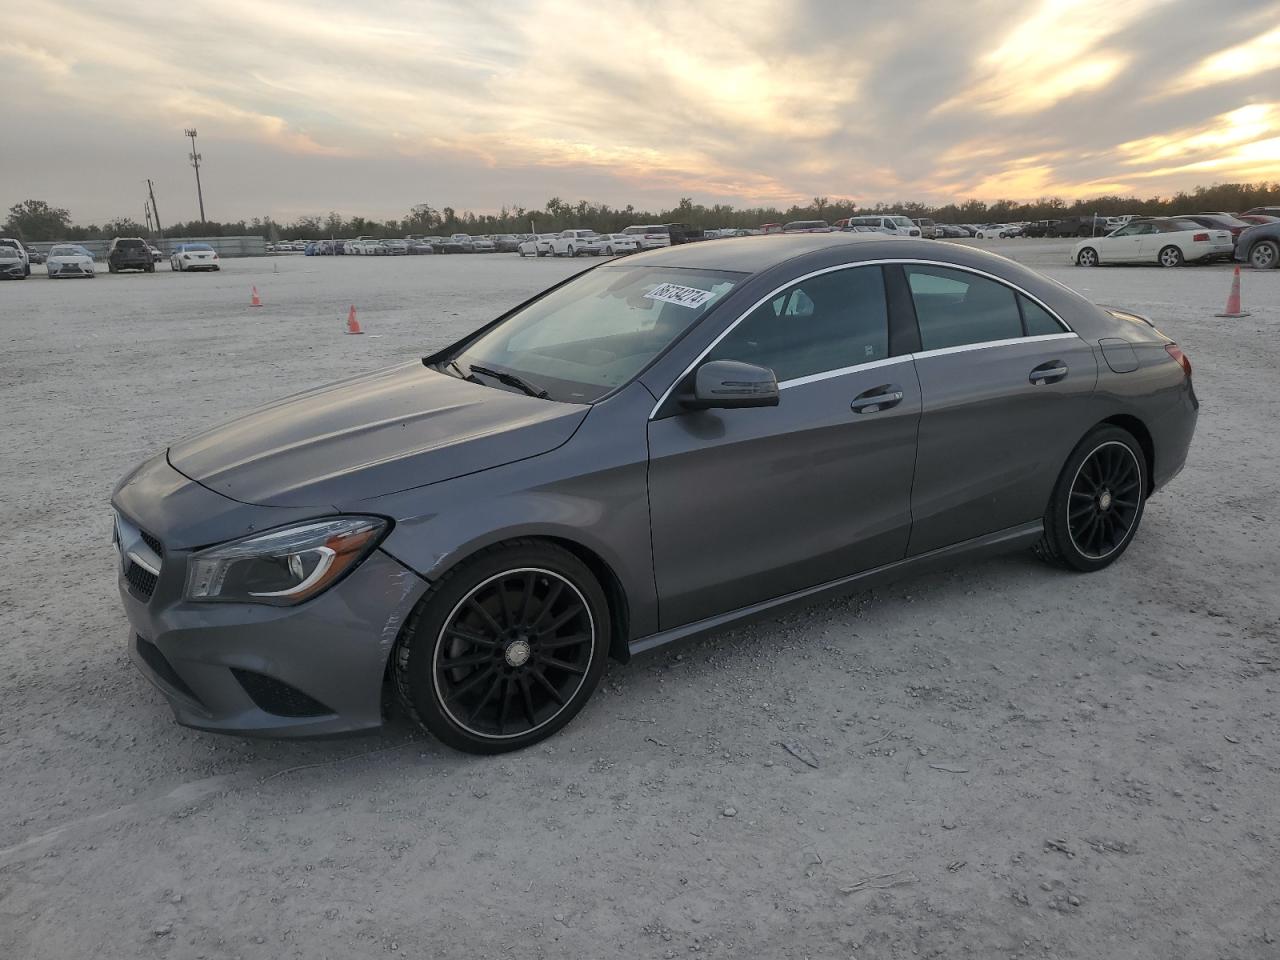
x: 1079, y: 227
x: 130, y: 253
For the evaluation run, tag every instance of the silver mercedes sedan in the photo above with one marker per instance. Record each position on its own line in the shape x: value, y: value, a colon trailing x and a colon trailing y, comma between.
x: 654, y: 448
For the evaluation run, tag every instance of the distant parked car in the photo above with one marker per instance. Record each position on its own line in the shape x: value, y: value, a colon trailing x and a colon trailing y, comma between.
x: 69, y: 260
x: 894, y: 225
x: 993, y: 231
x: 1039, y: 228
x: 770, y: 228
x: 928, y: 229
x: 951, y: 231
x: 1080, y: 227
x: 1220, y: 221
x: 35, y: 256
x: 365, y: 247
x: 395, y: 248
x: 129, y: 253
x: 483, y: 245
x: 1265, y: 211
x: 650, y: 236
x: 15, y: 262
x: 1168, y: 241
x: 807, y: 226
x: 1256, y: 218
x: 1259, y: 246
x: 576, y: 243
x: 617, y: 244
x: 193, y: 256
x: 421, y: 247
x: 506, y: 242
x: 156, y: 254
x: 684, y: 233
x: 536, y: 246
x: 458, y: 243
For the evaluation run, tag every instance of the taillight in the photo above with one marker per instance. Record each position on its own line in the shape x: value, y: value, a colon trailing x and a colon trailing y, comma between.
x: 1173, y: 350
x: 1201, y: 238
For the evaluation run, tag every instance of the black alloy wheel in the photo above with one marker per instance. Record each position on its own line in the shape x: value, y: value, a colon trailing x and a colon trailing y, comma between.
x: 1097, y: 502
x: 1105, y: 499
x: 505, y: 649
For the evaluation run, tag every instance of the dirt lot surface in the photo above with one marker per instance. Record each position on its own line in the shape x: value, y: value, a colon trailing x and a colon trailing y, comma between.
x: 1004, y: 760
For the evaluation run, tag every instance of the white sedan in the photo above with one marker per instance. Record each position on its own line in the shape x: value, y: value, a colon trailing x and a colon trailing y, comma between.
x: 1168, y: 241
x: 539, y: 246
x: 617, y: 244
x: 69, y: 260
x: 193, y: 256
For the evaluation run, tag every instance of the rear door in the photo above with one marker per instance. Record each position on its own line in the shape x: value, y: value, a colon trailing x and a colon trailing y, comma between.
x: 752, y: 504
x: 1005, y: 391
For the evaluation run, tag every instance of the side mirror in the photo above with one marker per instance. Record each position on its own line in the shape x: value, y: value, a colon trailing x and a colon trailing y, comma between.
x: 729, y: 384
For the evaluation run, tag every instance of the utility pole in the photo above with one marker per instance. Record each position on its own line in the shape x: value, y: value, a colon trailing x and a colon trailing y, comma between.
x: 195, y: 162
x: 154, y: 209
x: 146, y: 210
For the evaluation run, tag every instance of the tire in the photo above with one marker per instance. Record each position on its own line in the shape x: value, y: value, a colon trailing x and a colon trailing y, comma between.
x: 1097, y: 502
x: 484, y: 614
x: 540, y: 253
x: 1087, y: 257
x: 150, y: 268
x: 111, y: 268
x: 1264, y: 255
x: 1170, y: 256
x: 608, y: 251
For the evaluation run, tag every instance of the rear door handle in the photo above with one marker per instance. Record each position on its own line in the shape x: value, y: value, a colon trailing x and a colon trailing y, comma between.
x: 877, y: 399
x: 1050, y: 372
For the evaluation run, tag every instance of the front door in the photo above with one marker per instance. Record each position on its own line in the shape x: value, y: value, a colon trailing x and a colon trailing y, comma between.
x: 752, y: 504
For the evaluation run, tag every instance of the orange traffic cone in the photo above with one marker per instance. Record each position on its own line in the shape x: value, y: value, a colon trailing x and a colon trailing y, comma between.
x: 255, y: 300
x: 1233, y: 300
x: 353, y: 325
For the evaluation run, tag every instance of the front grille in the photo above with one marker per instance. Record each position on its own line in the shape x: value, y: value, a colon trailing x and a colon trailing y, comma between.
x: 154, y: 659
x: 141, y: 582
x: 153, y: 543
x: 277, y: 697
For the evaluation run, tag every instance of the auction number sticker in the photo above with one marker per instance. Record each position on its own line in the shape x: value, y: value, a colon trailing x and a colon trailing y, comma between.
x: 690, y: 297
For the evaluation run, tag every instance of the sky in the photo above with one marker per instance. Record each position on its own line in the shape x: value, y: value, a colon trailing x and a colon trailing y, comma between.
x: 370, y: 108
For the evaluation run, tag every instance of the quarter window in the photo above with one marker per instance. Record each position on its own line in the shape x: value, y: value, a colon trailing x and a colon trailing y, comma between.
x: 1037, y: 320
x: 955, y: 308
x: 828, y: 322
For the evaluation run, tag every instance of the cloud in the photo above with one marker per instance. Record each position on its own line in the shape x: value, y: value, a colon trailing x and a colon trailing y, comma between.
x: 308, y: 106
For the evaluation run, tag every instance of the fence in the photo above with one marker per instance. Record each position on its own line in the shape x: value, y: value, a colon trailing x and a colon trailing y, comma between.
x: 226, y: 246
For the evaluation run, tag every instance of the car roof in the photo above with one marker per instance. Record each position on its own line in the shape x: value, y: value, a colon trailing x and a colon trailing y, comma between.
x: 748, y: 254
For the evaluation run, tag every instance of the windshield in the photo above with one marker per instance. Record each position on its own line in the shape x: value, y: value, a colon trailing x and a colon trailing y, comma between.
x: 592, y: 335
x: 66, y: 250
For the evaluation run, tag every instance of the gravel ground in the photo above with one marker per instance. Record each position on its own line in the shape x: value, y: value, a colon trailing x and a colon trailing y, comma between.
x: 1006, y: 760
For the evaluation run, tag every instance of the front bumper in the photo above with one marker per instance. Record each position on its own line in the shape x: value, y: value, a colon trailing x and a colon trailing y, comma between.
x: 18, y: 269
x: 311, y: 670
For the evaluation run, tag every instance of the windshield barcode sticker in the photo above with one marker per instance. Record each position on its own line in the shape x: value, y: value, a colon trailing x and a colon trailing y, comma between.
x: 690, y: 297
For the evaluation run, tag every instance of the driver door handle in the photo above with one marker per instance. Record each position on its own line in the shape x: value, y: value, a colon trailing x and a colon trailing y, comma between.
x: 1050, y: 372
x: 877, y: 399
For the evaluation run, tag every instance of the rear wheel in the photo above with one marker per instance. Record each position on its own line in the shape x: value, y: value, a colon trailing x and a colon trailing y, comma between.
x: 1088, y: 257
x: 1170, y: 256
x: 1264, y: 255
x: 1097, y: 502
x: 505, y: 649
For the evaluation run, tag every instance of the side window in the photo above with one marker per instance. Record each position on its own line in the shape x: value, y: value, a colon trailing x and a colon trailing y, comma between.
x: 827, y: 322
x: 1038, y: 321
x: 955, y: 308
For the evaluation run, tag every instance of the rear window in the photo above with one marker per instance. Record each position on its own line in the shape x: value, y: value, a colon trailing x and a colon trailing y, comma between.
x: 655, y: 228
x: 131, y: 245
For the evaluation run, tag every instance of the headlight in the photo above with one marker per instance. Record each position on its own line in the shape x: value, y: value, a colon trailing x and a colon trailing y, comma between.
x: 284, y: 566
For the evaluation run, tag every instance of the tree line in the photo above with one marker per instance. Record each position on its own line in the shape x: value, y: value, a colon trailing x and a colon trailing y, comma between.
x: 37, y: 220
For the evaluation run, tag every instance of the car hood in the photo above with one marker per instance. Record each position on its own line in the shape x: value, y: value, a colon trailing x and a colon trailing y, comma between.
x: 371, y: 435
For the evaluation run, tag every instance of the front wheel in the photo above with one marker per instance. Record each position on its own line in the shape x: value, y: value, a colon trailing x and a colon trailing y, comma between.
x: 1097, y: 502
x: 1264, y: 255
x: 505, y: 649
x: 1088, y: 257
x: 608, y: 251
x: 1170, y: 256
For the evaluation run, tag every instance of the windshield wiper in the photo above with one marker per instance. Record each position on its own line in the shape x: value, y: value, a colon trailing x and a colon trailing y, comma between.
x: 461, y: 373
x: 511, y: 380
